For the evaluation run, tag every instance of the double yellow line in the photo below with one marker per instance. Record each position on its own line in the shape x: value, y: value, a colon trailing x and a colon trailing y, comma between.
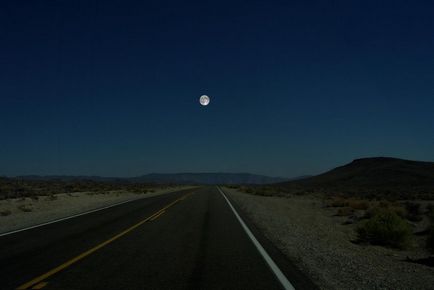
x: 39, y: 283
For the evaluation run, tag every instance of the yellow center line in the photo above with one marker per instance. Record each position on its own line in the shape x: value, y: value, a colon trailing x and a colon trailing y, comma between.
x: 94, y: 249
x: 156, y: 216
x: 40, y: 285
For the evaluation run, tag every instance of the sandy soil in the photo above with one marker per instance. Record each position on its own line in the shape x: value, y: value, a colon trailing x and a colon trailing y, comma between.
x: 20, y: 213
x: 320, y: 245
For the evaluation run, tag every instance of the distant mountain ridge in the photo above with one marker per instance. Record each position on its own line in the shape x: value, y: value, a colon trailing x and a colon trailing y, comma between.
x: 175, y: 178
x: 377, y: 171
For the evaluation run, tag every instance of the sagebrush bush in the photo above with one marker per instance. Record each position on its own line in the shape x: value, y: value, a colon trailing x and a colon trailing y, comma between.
x: 359, y: 204
x: 386, y: 228
x: 249, y: 190
x: 388, y: 206
x: 52, y: 197
x: 338, y: 202
x: 25, y: 208
x: 345, y: 211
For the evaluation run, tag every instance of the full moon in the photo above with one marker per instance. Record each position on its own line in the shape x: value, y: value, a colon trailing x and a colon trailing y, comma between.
x: 204, y: 100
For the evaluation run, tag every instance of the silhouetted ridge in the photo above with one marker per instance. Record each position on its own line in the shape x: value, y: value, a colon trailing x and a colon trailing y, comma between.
x: 208, y: 178
x: 377, y: 171
x: 172, y: 178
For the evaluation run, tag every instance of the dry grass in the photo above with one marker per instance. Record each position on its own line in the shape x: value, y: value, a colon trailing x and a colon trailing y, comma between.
x: 16, y: 188
x: 338, y: 202
x: 52, y: 197
x: 345, y: 211
x: 359, y: 204
x: 390, y: 206
x: 25, y: 208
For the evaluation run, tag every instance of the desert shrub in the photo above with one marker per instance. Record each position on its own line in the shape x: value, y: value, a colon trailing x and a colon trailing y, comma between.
x: 5, y: 212
x: 386, y: 228
x: 52, y: 197
x: 345, y: 211
x: 248, y: 190
x: 263, y: 193
x: 392, y: 206
x: 371, y: 212
x: 399, y: 210
x: 384, y: 203
x: 338, y: 202
x: 359, y: 204
x: 25, y: 208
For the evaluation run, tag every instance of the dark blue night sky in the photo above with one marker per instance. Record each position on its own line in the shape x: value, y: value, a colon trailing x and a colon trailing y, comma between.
x: 297, y: 87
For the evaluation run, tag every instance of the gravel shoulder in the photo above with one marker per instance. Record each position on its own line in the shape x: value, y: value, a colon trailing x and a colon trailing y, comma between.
x: 320, y: 245
x: 25, y: 212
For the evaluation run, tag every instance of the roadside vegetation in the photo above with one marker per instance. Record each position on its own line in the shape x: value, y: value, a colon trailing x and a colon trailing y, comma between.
x: 25, y: 208
x: 386, y: 228
x: 385, y: 219
x: 18, y: 188
x: 430, y: 240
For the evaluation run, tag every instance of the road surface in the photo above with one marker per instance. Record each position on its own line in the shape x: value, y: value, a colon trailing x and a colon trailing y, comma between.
x: 190, y: 239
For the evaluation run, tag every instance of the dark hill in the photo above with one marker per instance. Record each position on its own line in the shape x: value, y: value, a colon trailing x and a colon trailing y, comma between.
x: 378, y: 176
x: 378, y: 171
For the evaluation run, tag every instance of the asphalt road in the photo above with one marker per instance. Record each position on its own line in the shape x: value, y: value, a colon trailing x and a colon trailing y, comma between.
x: 183, y: 240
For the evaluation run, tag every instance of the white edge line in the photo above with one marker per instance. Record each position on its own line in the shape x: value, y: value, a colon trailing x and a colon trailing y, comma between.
x: 274, y: 268
x: 76, y: 215
x: 68, y: 217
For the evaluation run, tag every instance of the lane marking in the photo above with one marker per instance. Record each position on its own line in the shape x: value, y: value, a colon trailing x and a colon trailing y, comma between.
x: 40, y: 285
x: 274, y: 268
x: 156, y: 216
x: 94, y: 249
x: 68, y: 217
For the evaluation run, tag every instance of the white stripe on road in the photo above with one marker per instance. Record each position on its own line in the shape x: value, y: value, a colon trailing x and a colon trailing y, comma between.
x: 79, y: 214
x: 274, y: 268
x: 67, y: 218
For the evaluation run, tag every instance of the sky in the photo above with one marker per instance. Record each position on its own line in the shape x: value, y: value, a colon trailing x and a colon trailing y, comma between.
x: 112, y: 88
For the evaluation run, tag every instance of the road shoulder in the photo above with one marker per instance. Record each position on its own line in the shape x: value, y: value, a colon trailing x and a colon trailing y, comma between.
x: 322, y: 248
x: 18, y: 214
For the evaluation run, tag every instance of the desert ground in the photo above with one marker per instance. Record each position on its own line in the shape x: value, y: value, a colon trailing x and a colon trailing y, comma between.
x: 320, y: 238
x: 17, y: 213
